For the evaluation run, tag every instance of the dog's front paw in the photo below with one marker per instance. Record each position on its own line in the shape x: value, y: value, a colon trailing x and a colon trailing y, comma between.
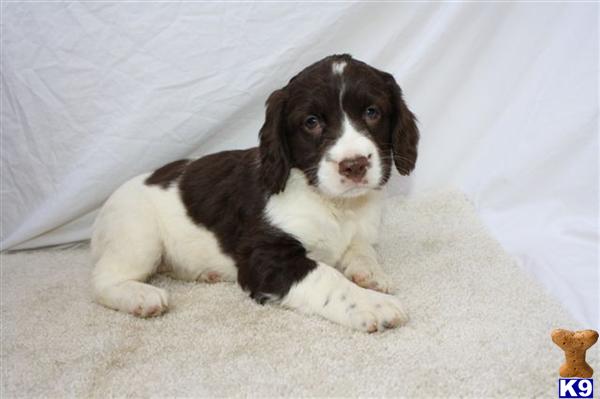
x: 369, y: 277
x: 325, y: 291
x: 374, y: 311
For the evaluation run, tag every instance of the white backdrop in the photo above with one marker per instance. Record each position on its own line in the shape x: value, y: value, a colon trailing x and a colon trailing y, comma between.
x: 506, y: 94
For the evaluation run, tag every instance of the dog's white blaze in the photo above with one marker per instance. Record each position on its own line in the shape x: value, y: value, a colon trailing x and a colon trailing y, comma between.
x: 338, y: 67
x: 326, y: 292
x: 351, y: 144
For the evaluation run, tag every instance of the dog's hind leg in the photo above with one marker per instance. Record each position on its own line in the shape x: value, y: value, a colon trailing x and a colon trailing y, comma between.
x: 127, y: 250
x: 126, y: 291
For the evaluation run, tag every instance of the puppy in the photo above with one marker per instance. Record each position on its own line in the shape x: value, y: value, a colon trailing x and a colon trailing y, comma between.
x: 293, y: 221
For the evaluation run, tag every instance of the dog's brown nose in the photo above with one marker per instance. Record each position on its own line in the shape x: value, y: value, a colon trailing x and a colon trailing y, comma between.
x: 354, y: 168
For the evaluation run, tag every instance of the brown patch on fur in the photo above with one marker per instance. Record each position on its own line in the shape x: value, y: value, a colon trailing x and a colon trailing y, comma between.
x: 167, y: 174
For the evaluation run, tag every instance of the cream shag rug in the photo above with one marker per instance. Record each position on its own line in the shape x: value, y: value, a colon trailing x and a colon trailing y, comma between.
x: 479, y: 327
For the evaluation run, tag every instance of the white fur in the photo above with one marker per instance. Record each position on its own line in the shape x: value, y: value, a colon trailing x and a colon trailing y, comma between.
x: 326, y: 227
x: 351, y: 144
x: 360, y: 265
x: 142, y: 228
x: 325, y: 291
x: 338, y: 67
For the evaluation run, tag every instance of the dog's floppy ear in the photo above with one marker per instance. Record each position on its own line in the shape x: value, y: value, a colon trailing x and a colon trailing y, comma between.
x: 274, y: 152
x: 404, y: 131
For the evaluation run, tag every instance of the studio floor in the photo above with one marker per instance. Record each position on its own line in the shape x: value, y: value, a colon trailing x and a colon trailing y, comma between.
x: 479, y: 327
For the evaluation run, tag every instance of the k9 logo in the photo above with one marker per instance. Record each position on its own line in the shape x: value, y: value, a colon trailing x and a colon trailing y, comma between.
x: 575, y: 388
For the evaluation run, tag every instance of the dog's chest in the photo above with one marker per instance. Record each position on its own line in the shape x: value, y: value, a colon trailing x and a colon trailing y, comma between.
x: 325, y: 228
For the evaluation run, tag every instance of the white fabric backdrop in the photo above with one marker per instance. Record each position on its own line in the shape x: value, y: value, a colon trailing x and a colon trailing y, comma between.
x: 507, y: 96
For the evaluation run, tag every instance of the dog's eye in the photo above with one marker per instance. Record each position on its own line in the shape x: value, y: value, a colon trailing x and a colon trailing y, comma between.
x: 312, y: 124
x: 372, y: 113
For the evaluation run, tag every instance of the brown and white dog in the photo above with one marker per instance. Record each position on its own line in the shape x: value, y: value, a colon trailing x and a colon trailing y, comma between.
x: 293, y: 221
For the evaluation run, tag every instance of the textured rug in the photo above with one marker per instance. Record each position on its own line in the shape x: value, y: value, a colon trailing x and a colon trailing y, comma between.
x: 479, y: 327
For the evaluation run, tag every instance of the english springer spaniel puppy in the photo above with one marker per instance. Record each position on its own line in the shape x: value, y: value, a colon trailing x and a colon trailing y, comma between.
x: 294, y: 221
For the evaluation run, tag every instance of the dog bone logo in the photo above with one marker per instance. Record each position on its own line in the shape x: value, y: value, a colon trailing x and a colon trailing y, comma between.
x: 575, y: 344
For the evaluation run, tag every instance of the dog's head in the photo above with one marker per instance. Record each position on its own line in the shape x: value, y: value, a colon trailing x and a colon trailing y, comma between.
x: 342, y: 123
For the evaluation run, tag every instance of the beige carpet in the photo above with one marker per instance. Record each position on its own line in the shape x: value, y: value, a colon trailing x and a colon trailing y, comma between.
x: 478, y: 328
